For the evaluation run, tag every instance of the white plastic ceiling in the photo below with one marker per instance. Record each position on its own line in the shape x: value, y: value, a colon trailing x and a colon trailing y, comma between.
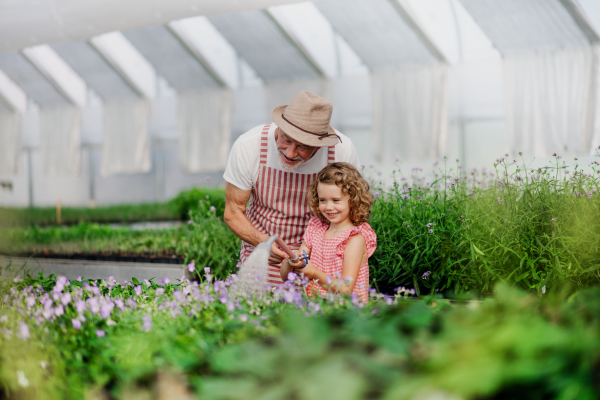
x: 30, y: 79
x: 264, y: 45
x: 26, y: 23
x: 95, y: 70
x: 525, y: 25
x: 171, y: 59
x: 377, y: 32
x: 374, y: 30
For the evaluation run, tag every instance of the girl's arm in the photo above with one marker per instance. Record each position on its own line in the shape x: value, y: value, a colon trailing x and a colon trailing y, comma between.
x: 355, y: 254
x: 287, y: 266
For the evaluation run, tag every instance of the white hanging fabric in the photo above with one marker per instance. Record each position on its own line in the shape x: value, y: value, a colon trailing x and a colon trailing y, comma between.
x: 126, y: 140
x: 204, y: 122
x: 591, y: 140
x: 10, y: 141
x: 283, y: 92
x: 549, y: 101
x: 60, y: 139
x: 410, y: 113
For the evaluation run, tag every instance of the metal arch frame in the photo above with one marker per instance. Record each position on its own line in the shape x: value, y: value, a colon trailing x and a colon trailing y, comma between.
x: 123, y: 70
x: 296, y: 43
x: 581, y: 20
x: 60, y: 74
x: 197, y: 54
x: 12, y: 94
x: 411, y: 20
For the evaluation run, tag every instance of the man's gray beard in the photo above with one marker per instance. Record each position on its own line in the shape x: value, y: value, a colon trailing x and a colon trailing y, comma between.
x: 287, y: 167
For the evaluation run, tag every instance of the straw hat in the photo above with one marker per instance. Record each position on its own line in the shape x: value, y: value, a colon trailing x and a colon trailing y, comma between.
x: 306, y: 120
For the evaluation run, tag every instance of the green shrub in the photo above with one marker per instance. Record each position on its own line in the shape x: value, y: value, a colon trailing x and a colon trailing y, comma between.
x: 124, y: 213
x: 189, y: 200
x: 210, y: 243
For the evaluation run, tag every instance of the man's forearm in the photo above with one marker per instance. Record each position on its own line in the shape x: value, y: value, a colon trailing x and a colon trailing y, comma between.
x: 239, y: 224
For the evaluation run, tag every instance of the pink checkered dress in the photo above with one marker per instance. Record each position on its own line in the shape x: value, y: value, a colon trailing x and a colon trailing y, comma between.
x: 327, y: 255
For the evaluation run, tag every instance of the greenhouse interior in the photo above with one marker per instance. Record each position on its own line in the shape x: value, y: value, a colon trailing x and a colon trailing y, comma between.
x: 284, y: 199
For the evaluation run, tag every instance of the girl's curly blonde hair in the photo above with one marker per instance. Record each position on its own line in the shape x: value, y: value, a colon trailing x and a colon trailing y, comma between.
x: 347, y: 178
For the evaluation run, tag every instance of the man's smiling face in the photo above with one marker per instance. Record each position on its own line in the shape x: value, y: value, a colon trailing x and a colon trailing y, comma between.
x: 292, y: 153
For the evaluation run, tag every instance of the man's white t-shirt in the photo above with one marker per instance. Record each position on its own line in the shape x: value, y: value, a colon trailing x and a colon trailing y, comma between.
x: 244, y: 159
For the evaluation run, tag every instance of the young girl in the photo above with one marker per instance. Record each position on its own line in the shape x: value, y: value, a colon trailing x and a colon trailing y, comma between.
x: 339, y: 240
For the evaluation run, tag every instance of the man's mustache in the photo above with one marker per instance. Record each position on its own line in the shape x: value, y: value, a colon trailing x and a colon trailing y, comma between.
x: 292, y: 159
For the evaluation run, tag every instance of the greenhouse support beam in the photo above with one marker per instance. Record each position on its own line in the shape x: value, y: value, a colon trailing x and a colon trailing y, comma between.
x: 12, y: 94
x: 58, y: 72
x: 408, y: 16
x: 128, y: 62
x: 179, y: 31
x: 581, y: 20
x: 294, y: 40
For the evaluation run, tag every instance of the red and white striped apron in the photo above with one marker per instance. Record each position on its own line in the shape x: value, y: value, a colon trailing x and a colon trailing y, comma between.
x: 278, y: 204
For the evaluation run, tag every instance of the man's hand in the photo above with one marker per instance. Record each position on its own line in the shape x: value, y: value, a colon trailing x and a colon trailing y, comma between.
x: 277, y: 255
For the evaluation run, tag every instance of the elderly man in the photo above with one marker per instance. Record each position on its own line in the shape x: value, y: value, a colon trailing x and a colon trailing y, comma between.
x: 272, y: 165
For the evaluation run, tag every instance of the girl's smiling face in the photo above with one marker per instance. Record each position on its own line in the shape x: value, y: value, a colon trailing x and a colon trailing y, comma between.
x: 333, y: 204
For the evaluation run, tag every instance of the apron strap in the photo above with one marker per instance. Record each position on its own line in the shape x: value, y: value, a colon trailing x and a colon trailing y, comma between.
x: 264, y: 142
x: 331, y: 155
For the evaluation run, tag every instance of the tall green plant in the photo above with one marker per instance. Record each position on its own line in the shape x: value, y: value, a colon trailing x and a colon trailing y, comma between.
x: 533, y: 228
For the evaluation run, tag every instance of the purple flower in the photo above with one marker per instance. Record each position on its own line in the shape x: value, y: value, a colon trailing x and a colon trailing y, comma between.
x: 24, y: 333
x: 166, y: 281
x: 147, y: 323
x: 138, y: 290
x: 292, y: 276
x: 132, y: 304
x: 17, y: 279
x: 100, y: 333
x: 243, y: 318
x: 408, y: 226
x: 76, y: 324
x: 329, y: 279
x: 159, y: 291
x: 354, y: 297
x: 500, y: 201
x: 404, y: 196
x: 80, y: 306
x: 212, y: 208
x: 425, y: 275
x: 106, y: 309
x: 30, y: 301
x: 94, y: 305
x: 201, y: 201
x: 190, y: 221
x: 191, y: 267
x: 66, y: 298
x: 63, y: 280
x: 288, y: 296
x: 431, y: 231
x: 59, y: 310
x: 120, y: 304
x: 207, y: 270
x: 47, y: 304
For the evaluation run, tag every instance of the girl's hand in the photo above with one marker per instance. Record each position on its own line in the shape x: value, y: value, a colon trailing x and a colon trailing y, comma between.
x: 308, y: 271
